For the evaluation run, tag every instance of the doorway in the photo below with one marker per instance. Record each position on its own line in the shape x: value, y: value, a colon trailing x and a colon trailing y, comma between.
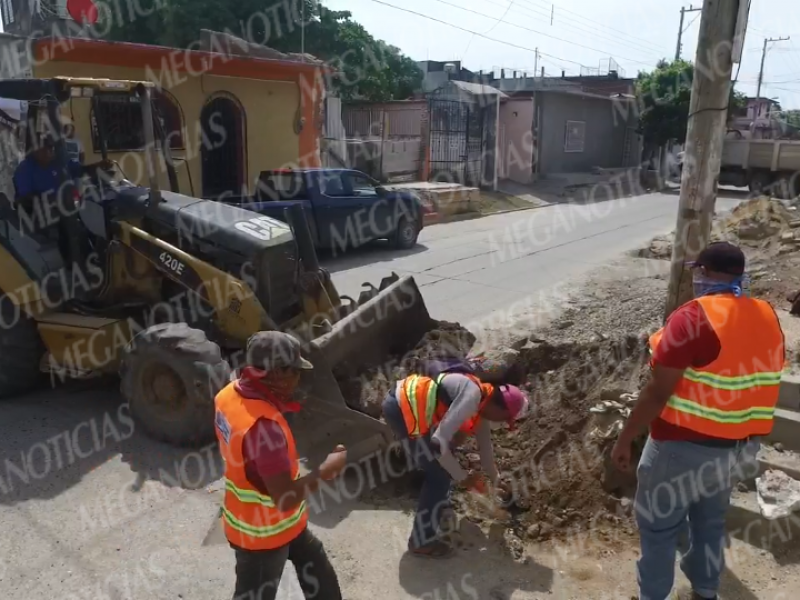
x: 222, y: 146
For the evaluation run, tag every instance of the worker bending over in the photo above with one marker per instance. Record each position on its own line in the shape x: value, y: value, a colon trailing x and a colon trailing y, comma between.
x: 716, y: 369
x: 264, y: 512
x: 432, y: 414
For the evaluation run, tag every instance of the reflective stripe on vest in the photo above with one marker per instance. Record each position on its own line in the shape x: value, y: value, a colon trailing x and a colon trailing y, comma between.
x: 422, y: 409
x: 735, y: 396
x: 251, y: 519
x: 411, y: 386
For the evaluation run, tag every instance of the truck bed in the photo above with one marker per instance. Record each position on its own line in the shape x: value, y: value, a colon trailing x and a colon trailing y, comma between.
x: 775, y: 155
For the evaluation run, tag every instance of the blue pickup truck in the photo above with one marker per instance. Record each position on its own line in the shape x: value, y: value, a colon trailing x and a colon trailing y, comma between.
x: 345, y: 209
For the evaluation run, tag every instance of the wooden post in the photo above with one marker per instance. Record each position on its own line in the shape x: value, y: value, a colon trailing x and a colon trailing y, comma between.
x: 708, y: 111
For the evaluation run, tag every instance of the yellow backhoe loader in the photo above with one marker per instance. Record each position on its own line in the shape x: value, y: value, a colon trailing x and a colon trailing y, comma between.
x: 107, y: 276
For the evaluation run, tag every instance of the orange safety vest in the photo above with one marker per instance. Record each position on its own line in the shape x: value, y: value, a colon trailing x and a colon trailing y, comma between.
x: 422, y: 410
x: 735, y: 396
x: 251, y: 519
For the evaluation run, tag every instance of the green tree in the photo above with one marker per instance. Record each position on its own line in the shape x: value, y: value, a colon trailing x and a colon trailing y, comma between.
x: 364, y: 68
x: 664, y: 94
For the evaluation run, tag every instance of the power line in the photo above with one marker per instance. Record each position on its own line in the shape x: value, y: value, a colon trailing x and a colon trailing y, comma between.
x: 491, y: 39
x: 608, y: 38
x: 580, y: 16
x: 475, y: 12
x: 496, y: 23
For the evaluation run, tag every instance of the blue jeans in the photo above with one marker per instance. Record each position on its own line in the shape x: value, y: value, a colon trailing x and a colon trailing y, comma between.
x: 434, y: 498
x: 682, y: 485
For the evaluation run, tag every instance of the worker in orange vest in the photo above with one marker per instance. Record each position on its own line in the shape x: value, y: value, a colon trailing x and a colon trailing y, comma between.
x: 264, y: 513
x: 431, y: 414
x: 716, y: 370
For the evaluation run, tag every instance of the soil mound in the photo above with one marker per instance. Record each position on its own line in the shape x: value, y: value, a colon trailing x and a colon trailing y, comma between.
x: 755, y: 223
x: 557, y: 469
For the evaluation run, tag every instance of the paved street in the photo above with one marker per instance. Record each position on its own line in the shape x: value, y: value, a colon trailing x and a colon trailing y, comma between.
x: 469, y: 269
x: 91, y: 510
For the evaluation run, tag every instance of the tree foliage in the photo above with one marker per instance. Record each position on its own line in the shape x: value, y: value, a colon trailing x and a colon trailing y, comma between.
x: 365, y: 68
x: 664, y: 94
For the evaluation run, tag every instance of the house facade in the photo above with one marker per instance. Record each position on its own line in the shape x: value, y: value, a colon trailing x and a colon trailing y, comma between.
x: 551, y: 131
x: 227, y: 118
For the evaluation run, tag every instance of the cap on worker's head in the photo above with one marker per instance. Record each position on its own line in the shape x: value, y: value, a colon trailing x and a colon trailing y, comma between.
x: 269, y: 350
x: 516, y: 402
x: 721, y: 257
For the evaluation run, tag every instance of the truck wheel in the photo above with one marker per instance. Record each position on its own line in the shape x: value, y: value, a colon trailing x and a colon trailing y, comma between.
x: 170, y: 376
x: 21, y: 351
x: 406, y: 234
x: 759, y: 181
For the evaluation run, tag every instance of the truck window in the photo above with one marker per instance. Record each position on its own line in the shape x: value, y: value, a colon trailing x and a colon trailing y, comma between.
x: 281, y: 185
x: 362, y: 186
x: 334, y: 185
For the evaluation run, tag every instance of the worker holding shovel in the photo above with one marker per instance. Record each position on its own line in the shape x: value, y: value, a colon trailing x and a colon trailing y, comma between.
x: 431, y: 414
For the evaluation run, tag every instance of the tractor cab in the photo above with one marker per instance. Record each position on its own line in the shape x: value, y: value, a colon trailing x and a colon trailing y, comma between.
x: 66, y: 223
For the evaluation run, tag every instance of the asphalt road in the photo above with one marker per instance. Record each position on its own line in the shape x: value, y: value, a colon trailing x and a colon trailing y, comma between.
x: 469, y: 269
x: 90, y: 509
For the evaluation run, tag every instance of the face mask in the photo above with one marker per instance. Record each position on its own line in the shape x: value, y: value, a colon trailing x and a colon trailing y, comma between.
x: 704, y: 286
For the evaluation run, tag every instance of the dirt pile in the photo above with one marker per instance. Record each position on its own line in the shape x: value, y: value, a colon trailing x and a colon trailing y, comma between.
x: 558, y: 471
x: 365, y: 390
x: 756, y: 224
x: 755, y: 221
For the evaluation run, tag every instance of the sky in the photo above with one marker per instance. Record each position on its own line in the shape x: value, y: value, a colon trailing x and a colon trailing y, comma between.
x: 582, y: 33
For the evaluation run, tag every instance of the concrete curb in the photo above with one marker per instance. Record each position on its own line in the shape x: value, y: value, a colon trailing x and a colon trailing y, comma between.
x: 437, y: 219
x: 786, y: 429
x: 789, y: 394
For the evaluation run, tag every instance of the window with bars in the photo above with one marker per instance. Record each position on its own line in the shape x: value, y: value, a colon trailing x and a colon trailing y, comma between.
x: 121, y: 116
x: 575, y: 136
x: 7, y: 9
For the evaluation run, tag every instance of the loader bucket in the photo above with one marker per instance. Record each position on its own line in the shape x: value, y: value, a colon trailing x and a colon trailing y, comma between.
x: 389, y: 323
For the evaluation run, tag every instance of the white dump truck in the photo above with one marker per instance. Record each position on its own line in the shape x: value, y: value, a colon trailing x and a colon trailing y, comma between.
x: 762, y: 165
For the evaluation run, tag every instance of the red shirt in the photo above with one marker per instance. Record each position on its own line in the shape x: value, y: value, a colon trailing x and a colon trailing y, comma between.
x: 688, y: 340
x: 264, y: 449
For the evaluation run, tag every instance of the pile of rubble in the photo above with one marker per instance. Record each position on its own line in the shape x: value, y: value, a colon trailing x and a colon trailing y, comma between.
x: 778, y: 494
x: 760, y: 225
x: 557, y: 460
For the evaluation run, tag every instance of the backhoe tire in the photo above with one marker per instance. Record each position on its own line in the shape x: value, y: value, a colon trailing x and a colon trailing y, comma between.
x: 21, y: 351
x: 170, y: 376
x: 406, y: 234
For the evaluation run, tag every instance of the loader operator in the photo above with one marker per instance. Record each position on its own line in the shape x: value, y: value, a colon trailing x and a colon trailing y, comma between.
x: 264, y: 512
x: 37, y: 175
x: 716, y: 370
x: 431, y: 415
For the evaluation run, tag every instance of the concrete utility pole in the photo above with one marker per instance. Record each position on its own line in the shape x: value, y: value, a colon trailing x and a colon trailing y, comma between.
x: 684, y: 10
x: 763, y: 58
x: 708, y: 109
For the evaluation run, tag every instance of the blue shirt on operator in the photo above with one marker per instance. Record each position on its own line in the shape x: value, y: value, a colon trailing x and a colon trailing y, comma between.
x: 32, y: 177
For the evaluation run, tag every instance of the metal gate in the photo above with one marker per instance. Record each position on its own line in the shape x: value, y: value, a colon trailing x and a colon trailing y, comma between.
x: 456, y: 137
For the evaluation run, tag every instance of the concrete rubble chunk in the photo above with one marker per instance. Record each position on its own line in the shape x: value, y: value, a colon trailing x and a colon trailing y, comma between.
x: 778, y: 494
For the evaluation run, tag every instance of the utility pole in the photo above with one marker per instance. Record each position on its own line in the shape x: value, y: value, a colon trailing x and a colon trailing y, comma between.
x: 684, y: 10
x: 535, y: 61
x: 763, y: 58
x: 708, y: 109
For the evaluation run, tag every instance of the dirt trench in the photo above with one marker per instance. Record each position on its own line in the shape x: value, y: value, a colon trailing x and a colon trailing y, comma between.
x: 559, y: 473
